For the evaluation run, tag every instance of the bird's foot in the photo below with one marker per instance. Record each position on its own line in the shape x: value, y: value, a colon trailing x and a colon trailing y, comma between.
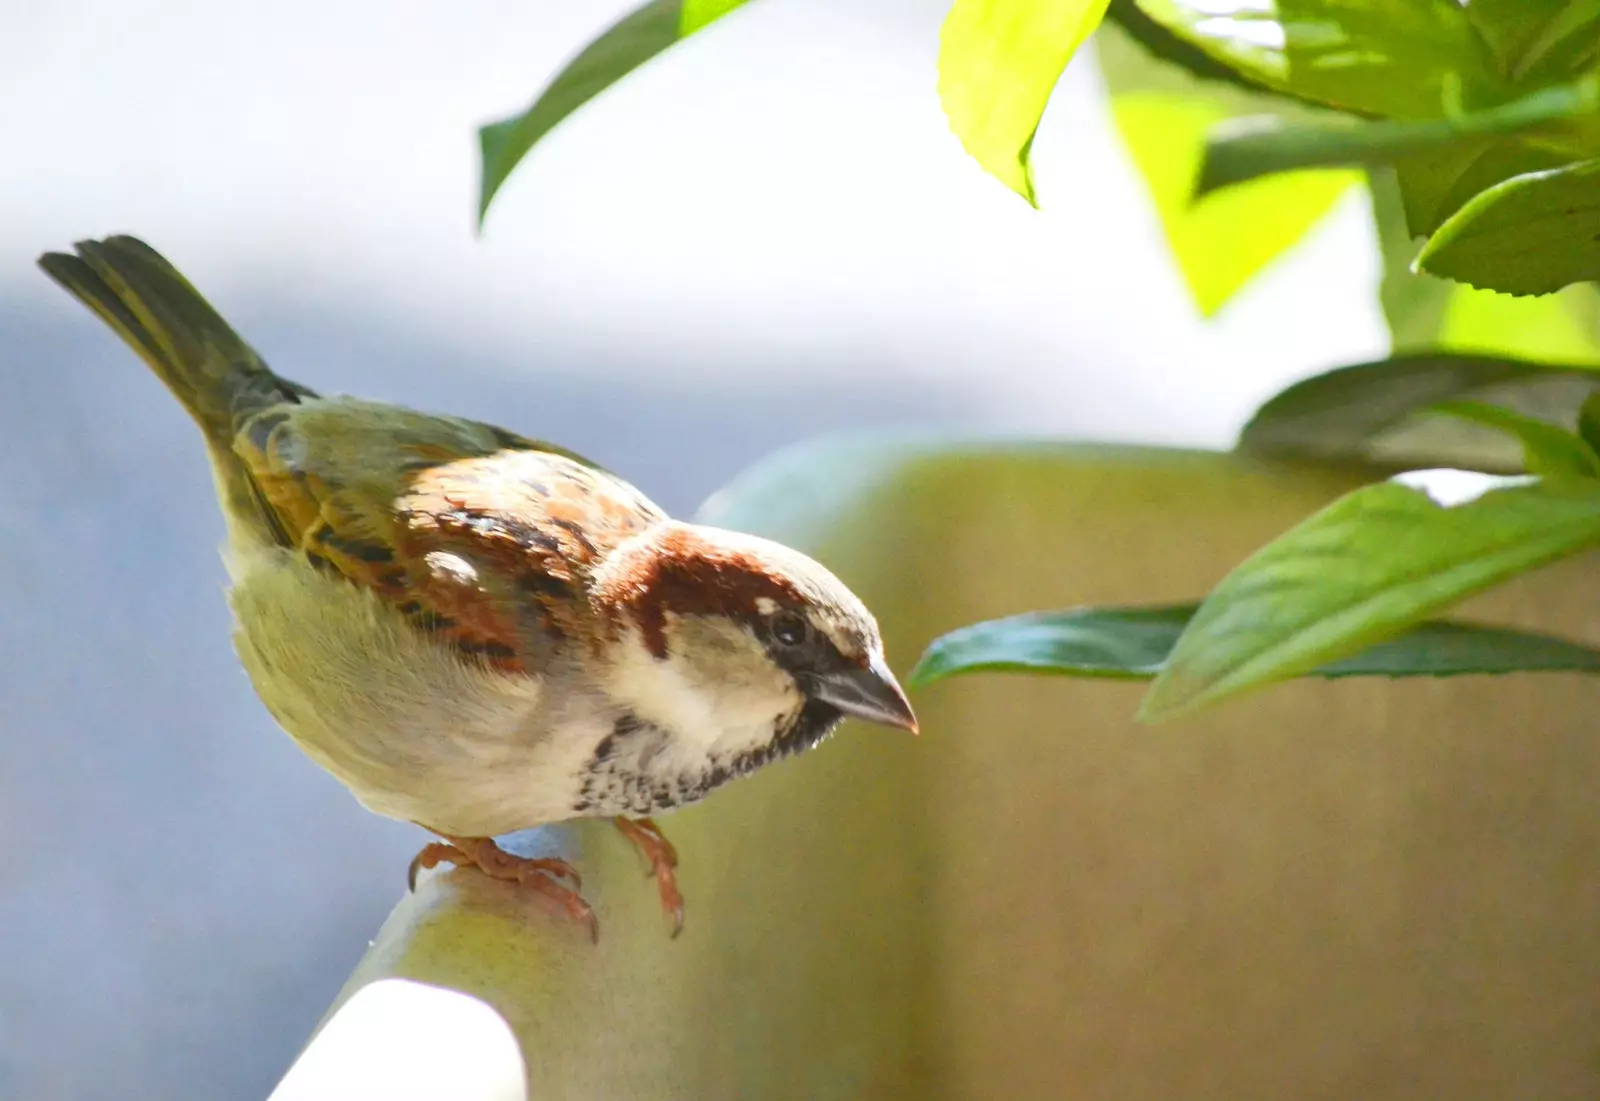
x: 652, y: 844
x: 543, y: 876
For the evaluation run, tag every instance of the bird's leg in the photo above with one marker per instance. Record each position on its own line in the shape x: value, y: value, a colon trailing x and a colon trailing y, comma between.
x: 543, y: 876
x: 647, y: 837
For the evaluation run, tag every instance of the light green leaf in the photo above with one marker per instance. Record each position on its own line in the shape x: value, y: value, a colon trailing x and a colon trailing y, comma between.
x: 1365, y: 568
x: 1222, y: 242
x: 1531, y: 234
x: 1247, y: 148
x: 1547, y: 450
x: 999, y: 60
x: 1344, y: 53
x: 1544, y: 328
x: 627, y: 44
x: 1132, y: 643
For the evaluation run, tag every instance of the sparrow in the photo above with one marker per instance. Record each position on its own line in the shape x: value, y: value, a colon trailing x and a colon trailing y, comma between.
x: 478, y: 632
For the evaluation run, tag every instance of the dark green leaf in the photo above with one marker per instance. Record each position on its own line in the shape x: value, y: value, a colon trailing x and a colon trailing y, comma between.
x: 1369, y: 566
x: 1537, y: 38
x: 627, y: 44
x: 1161, y: 43
x: 1547, y: 450
x: 1589, y: 421
x: 1531, y: 234
x: 1441, y: 648
x: 1436, y: 184
x: 1132, y: 643
x: 1366, y: 411
x: 999, y: 60
x: 1086, y: 642
x: 1248, y: 148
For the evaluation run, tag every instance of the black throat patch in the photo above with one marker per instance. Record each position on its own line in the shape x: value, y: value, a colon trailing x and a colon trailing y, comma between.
x: 619, y: 777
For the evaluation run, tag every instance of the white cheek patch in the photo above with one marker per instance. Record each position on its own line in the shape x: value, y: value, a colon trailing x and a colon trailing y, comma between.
x: 725, y: 707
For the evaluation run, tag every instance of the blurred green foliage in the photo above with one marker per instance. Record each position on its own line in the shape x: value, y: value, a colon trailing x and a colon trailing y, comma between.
x: 1475, y: 129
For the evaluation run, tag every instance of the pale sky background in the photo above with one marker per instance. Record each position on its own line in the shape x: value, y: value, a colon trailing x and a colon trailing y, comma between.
x: 767, y: 236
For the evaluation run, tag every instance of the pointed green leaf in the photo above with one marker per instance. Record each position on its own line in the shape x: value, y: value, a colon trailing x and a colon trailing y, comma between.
x: 1531, y: 234
x: 1162, y: 114
x: 999, y: 60
x: 1547, y: 449
x: 1370, y: 565
x: 627, y: 44
x: 1132, y: 643
x: 1122, y: 643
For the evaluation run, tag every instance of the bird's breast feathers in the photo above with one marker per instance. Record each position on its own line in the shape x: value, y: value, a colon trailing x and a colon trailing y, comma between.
x: 415, y: 728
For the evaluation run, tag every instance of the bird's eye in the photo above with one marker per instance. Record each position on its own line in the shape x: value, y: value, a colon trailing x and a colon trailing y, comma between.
x: 790, y: 629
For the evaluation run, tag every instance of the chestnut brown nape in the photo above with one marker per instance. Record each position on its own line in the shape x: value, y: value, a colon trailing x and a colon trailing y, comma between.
x: 683, y: 571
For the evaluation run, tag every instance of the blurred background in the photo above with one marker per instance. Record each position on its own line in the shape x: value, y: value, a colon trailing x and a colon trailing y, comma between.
x: 765, y: 236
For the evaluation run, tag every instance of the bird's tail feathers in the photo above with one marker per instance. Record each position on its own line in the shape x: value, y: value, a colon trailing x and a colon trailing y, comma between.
x: 209, y: 368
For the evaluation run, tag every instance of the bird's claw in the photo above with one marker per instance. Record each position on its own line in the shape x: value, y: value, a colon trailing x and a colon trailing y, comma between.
x: 653, y: 845
x: 543, y: 875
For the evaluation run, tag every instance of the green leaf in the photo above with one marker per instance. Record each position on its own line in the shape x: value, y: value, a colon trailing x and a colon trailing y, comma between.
x: 1428, y: 313
x: 1132, y: 643
x: 1413, y: 305
x: 1589, y: 421
x: 1531, y: 234
x: 1248, y: 148
x: 1117, y: 642
x: 1442, y: 648
x: 1547, y: 450
x: 999, y: 60
x: 1365, y: 568
x: 1162, y: 113
x: 1369, y: 411
x: 1221, y: 243
x: 1380, y: 58
x: 1545, y: 328
x: 1530, y: 38
x: 627, y: 44
x: 1160, y: 43
x: 1440, y: 182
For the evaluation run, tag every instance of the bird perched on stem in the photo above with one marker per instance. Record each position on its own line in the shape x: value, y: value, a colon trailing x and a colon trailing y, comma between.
x: 478, y: 632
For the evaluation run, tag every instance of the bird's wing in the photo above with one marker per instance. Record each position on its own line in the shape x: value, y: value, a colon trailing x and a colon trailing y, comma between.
x: 480, y: 536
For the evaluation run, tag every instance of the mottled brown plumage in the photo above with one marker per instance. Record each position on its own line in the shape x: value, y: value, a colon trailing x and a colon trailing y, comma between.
x: 479, y: 632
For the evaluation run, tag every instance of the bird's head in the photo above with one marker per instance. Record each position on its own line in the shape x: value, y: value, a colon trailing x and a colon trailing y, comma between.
x: 739, y: 645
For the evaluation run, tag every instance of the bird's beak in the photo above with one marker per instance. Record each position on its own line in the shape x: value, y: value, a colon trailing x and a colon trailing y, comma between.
x: 871, y: 693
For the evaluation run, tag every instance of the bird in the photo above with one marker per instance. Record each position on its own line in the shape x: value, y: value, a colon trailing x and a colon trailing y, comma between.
x: 478, y: 632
